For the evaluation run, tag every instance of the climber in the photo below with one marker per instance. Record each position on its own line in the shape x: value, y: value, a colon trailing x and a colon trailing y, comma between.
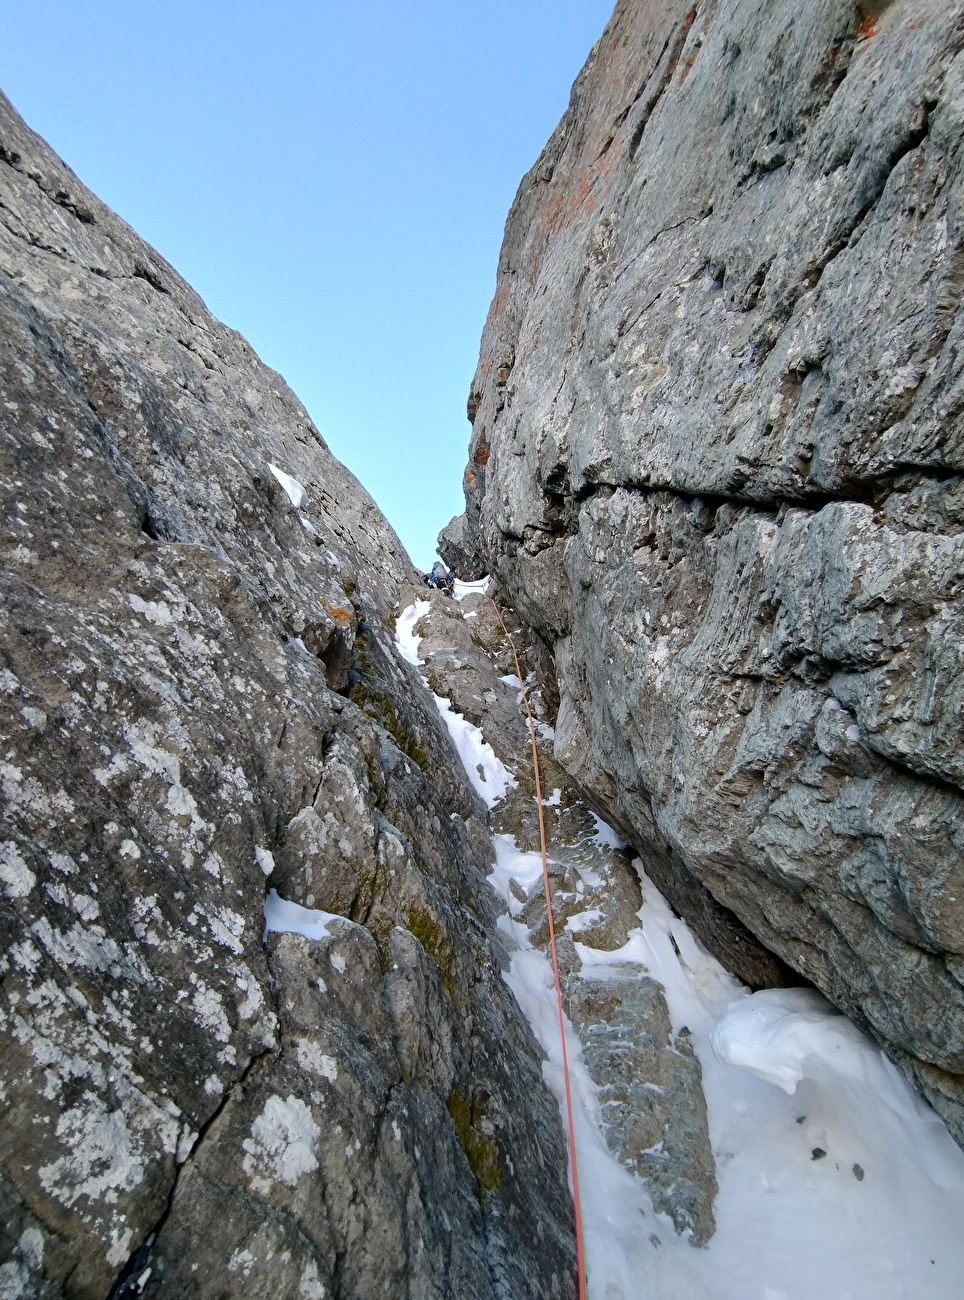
x: 440, y: 579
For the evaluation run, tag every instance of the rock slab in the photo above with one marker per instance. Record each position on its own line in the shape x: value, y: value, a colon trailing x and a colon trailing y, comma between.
x: 717, y: 465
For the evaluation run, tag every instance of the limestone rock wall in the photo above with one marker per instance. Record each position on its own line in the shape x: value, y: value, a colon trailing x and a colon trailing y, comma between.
x: 199, y: 701
x: 717, y: 465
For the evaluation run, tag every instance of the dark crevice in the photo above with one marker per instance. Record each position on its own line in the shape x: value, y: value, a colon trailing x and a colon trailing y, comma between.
x: 84, y: 215
x: 782, y: 311
x: 562, y: 505
x: 142, y: 272
x: 130, y: 1281
x: 923, y: 775
x: 669, y: 71
x: 872, y: 491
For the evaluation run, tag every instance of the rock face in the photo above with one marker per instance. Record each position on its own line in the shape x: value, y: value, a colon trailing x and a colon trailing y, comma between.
x: 717, y: 466
x: 200, y: 701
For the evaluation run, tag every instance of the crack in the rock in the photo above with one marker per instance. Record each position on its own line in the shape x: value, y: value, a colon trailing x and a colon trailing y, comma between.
x: 59, y: 195
x: 128, y: 1285
x: 765, y: 338
x: 668, y: 73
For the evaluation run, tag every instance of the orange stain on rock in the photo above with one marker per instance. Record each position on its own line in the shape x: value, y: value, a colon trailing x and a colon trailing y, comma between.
x: 343, y: 617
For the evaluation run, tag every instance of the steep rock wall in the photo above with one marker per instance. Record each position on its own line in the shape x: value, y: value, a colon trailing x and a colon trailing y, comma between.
x: 717, y: 465
x: 200, y: 701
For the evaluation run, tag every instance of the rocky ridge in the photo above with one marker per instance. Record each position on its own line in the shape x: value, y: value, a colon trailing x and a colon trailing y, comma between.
x: 716, y: 467
x: 201, y: 702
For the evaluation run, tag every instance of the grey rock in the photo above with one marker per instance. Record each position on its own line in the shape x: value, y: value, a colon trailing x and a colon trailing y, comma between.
x: 200, y: 699
x: 607, y: 906
x: 716, y: 467
x: 651, y: 1093
x: 458, y: 552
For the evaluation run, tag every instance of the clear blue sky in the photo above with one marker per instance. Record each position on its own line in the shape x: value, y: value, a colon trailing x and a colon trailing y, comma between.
x: 332, y: 178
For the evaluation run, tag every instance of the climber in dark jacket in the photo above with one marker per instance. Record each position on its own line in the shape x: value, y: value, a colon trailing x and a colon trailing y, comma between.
x: 440, y: 579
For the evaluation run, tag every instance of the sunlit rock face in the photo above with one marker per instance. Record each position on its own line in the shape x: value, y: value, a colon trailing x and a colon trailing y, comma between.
x: 200, y: 701
x: 716, y: 464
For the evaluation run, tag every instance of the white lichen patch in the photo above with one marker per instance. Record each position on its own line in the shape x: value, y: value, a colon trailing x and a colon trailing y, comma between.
x: 26, y: 794
x: 31, y: 1247
x: 120, y: 1246
x: 15, y: 876
x: 226, y: 928
x: 310, y: 1286
x: 241, y: 1262
x: 252, y: 998
x: 311, y: 1057
x: 14, y: 1280
x: 157, y: 612
x: 102, y: 1156
x: 89, y: 948
x: 208, y: 1005
x: 282, y: 1147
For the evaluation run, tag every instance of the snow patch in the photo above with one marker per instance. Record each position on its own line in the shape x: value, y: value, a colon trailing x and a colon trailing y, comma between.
x: 605, y: 837
x: 283, y: 917
x: 405, y: 637
x: 851, y: 1187
x: 488, y: 774
x: 296, y: 493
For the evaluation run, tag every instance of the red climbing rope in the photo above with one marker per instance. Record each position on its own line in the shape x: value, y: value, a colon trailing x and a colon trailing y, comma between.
x: 555, y: 960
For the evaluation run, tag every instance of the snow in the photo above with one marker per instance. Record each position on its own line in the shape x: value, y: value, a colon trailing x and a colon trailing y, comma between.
x: 405, y: 637
x: 489, y: 776
x: 296, y: 493
x: 463, y: 589
x: 487, y: 773
x: 863, y: 1222
x: 836, y: 1182
x: 619, y: 1223
x: 291, y: 918
x: 512, y: 681
x: 783, y: 1035
x: 605, y: 837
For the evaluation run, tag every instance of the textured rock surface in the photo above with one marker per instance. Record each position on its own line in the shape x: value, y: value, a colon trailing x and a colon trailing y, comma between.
x: 717, y: 466
x: 458, y: 552
x: 200, y: 700
x: 650, y: 1082
x: 650, y: 1093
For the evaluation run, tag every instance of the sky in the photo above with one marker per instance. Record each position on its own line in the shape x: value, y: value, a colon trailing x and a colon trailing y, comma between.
x: 333, y: 178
